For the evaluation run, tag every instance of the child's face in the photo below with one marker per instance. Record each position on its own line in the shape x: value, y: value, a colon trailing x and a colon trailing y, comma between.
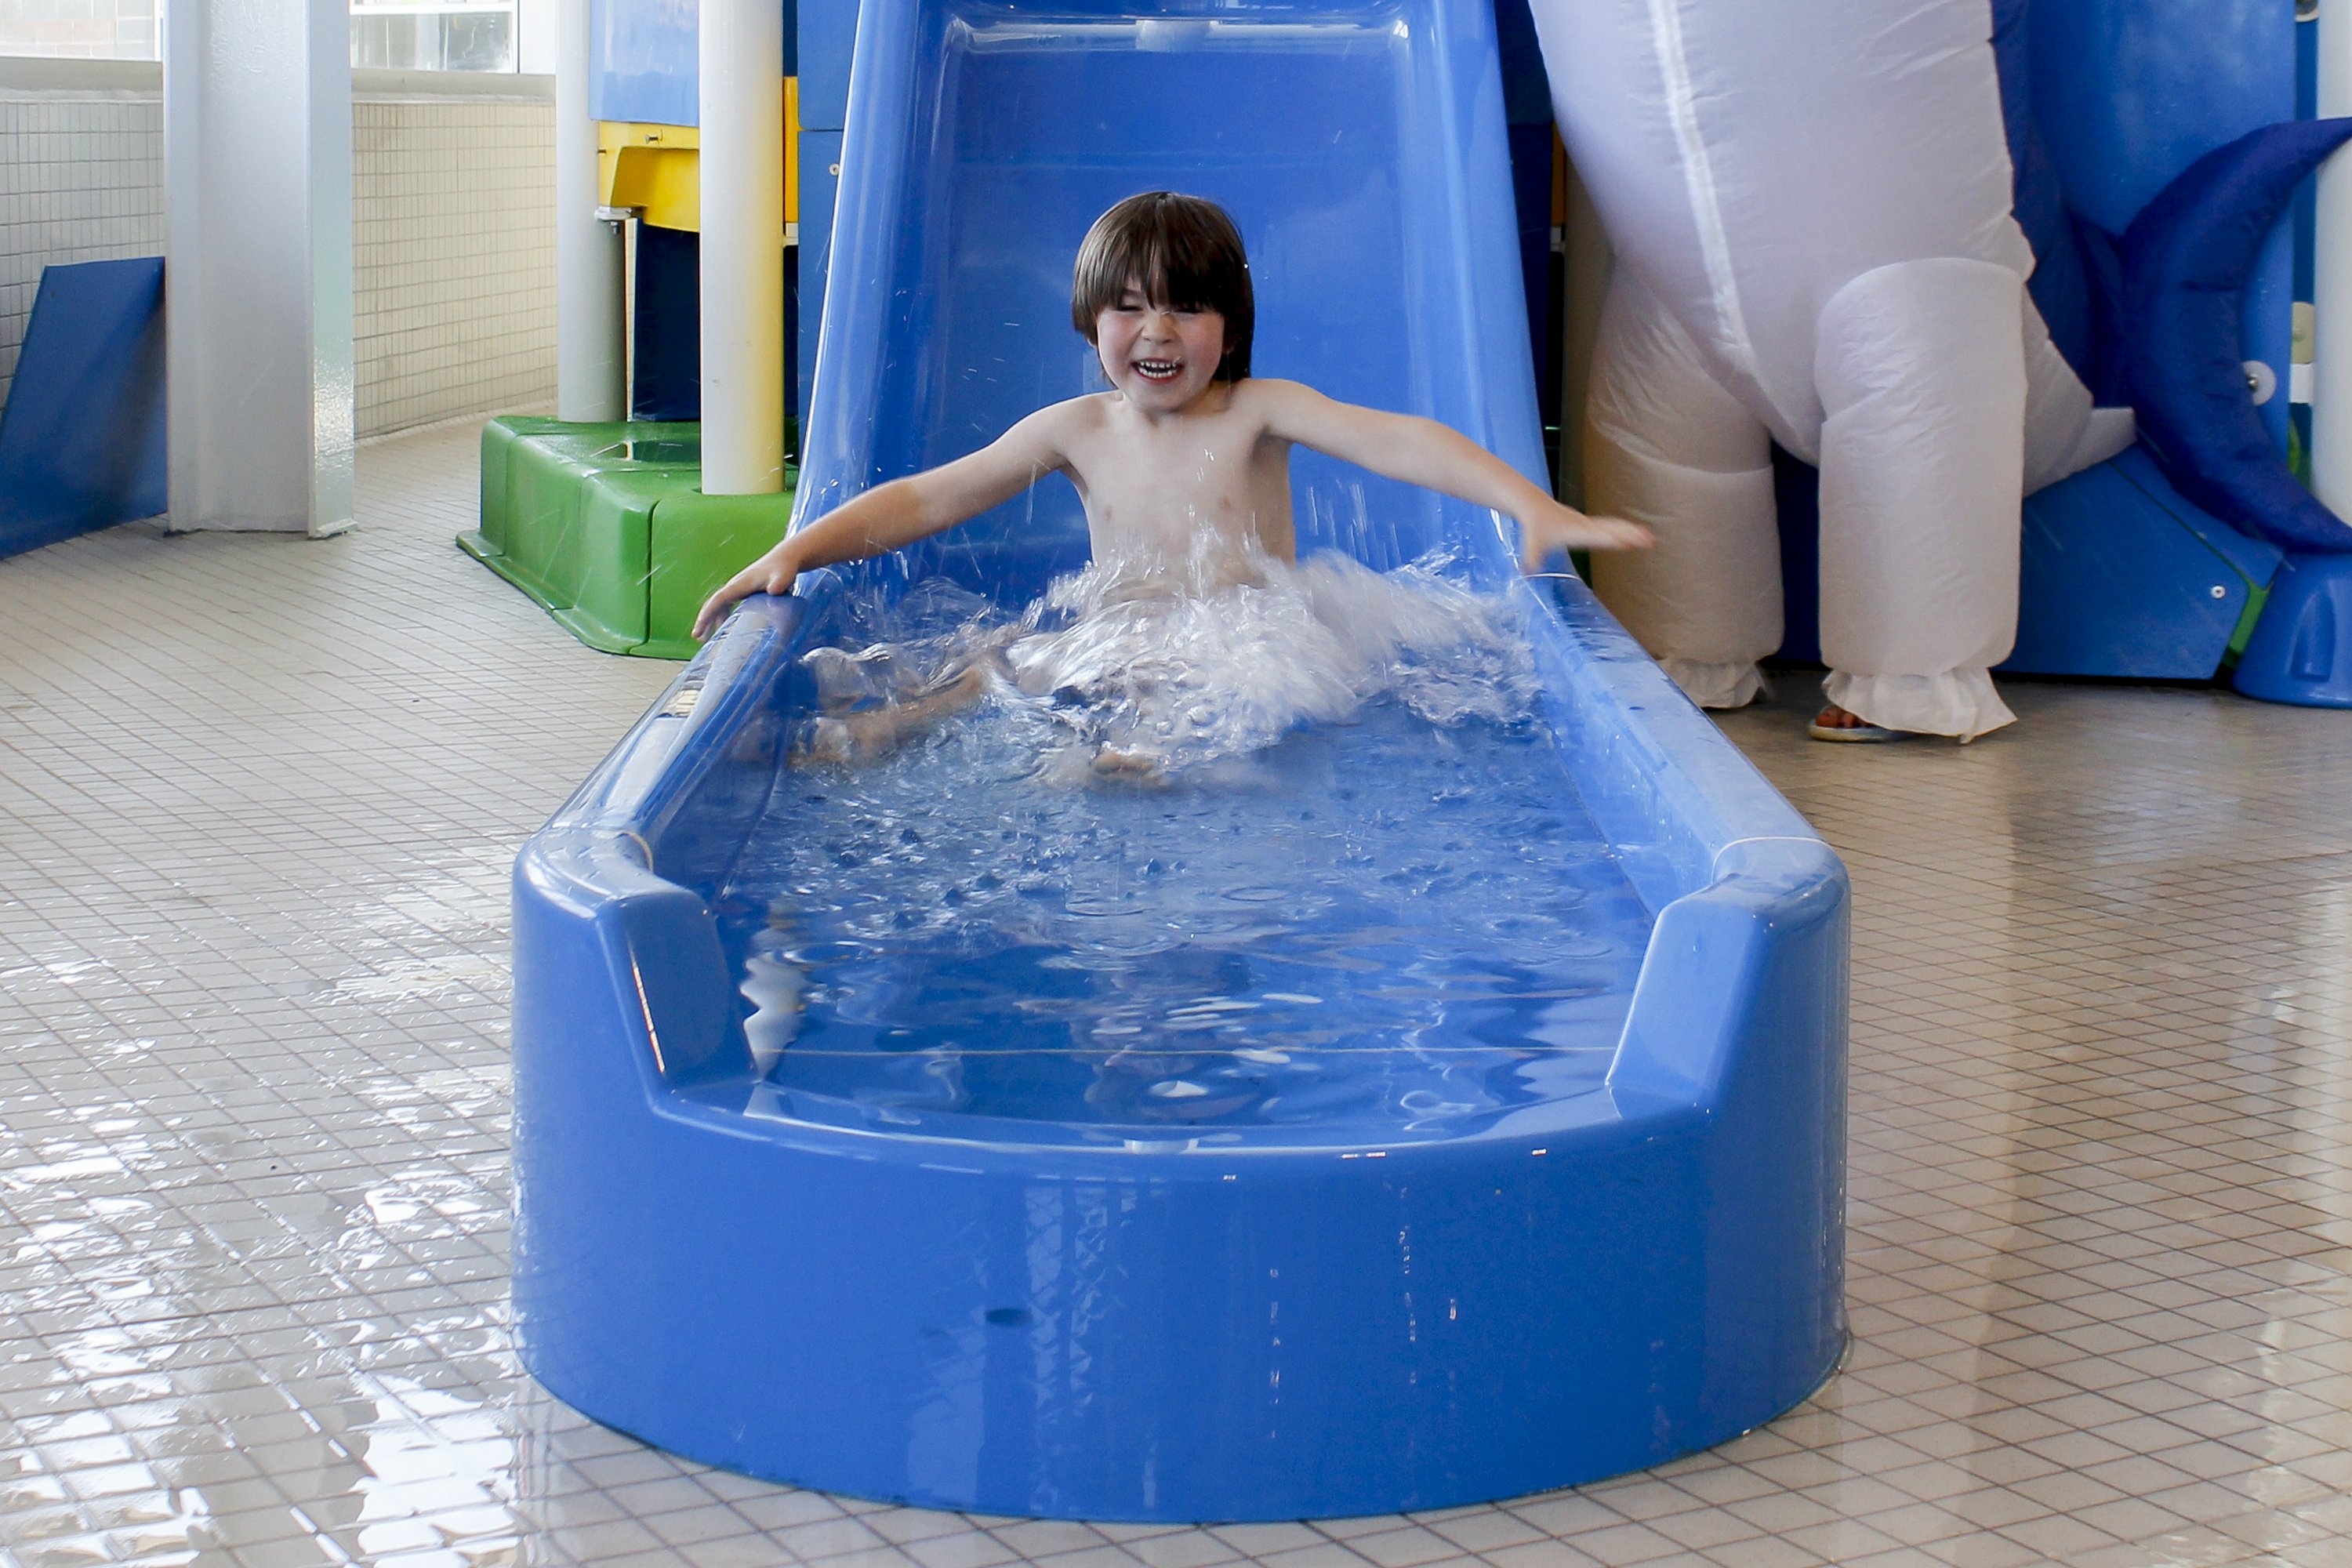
x: 1161, y: 358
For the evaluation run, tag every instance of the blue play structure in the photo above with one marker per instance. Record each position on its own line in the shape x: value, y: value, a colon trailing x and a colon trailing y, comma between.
x: 81, y: 439
x: 971, y: 1301
x: 2159, y: 146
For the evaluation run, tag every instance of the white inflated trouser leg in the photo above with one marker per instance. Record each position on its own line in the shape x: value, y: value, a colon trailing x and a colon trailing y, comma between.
x: 1667, y: 446
x: 1921, y: 370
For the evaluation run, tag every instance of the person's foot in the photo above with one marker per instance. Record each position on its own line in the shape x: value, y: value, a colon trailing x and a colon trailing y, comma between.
x: 1127, y: 767
x: 1836, y: 723
x: 829, y: 743
x: 951, y: 692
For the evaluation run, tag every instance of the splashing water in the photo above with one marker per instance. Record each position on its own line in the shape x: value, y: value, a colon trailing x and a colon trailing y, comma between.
x: 1166, y: 679
x: 1356, y: 889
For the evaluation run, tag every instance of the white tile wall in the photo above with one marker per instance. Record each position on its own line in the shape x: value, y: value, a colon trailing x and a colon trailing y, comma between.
x: 454, y: 259
x: 80, y: 180
x: 454, y: 215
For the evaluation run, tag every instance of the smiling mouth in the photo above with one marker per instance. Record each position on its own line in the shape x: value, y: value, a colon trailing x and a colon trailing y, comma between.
x: 1159, y: 370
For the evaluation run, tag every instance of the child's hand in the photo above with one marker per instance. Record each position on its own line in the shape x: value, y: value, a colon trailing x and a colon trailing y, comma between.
x: 1565, y: 528
x: 774, y: 572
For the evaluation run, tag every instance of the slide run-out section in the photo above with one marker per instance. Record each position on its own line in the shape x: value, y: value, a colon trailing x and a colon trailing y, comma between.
x: 1017, y: 1192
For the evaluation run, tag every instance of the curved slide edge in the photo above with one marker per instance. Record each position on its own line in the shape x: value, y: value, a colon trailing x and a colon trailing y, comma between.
x: 907, y: 1321
x: 1175, y: 1334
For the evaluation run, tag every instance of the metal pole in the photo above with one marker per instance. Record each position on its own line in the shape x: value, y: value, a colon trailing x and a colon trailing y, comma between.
x: 743, y: 168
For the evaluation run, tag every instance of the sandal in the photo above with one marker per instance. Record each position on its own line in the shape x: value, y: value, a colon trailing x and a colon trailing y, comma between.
x: 1862, y: 734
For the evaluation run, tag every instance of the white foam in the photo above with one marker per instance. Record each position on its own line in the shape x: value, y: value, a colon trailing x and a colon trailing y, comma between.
x: 1169, y: 671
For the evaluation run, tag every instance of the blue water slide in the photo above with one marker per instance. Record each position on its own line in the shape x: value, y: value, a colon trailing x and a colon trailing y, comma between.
x: 973, y: 1305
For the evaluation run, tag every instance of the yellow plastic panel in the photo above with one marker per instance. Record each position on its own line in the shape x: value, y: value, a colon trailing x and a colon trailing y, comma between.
x: 654, y: 168
x: 657, y: 168
x: 791, y: 149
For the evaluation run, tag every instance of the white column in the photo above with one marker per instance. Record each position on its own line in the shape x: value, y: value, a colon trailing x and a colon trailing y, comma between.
x: 539, y: 27
x: 2331, y: 350
x: 590, y: 374
x: 743, y: 164
x: 257, y: 275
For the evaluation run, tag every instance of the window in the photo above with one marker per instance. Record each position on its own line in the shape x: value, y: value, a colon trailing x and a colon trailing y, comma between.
x: 82, y: 29
x: 397, y: 35
x: 427, y: 34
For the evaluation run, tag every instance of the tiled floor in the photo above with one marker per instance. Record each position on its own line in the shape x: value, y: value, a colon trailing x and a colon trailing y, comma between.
x: 258, y: 798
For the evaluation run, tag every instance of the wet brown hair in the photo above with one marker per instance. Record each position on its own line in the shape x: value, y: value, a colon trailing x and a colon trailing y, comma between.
x: 1184, y: 252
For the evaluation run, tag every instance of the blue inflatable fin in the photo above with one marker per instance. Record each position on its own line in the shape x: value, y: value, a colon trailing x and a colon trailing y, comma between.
x: 2185, y: 261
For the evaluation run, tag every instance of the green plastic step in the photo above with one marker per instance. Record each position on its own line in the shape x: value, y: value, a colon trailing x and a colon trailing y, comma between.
x: 607, y: 527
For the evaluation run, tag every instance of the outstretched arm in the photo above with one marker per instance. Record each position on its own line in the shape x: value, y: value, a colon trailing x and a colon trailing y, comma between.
x: 1424, y: 452
x: 891, y: 516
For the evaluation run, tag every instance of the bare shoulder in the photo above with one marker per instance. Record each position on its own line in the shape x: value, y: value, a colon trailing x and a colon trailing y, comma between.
x: 1297, y: 411
x: 1072, y: 415
x: 1271, y: 394
x: 1046, y: 436
x: 1071, y: 419
x: 1275, y: 407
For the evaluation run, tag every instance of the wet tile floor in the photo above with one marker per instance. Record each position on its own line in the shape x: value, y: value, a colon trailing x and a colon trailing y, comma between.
x: 258, y: 800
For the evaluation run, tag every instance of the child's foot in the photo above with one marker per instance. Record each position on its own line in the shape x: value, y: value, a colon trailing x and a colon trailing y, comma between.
x: 1835, y: 723
x: 833, y: 742
x: 1127, y: 767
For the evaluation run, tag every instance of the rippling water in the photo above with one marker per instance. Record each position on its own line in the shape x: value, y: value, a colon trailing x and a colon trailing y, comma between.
x: 1389, y: 910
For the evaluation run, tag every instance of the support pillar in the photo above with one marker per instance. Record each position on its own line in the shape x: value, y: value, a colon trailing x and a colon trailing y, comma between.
x: 2331, y: 355
x: 590, y: 366
x: 257, y: 276
x: 743, y: 164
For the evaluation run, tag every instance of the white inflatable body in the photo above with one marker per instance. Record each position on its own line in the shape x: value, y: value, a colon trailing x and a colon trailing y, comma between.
x: 1809, y: 202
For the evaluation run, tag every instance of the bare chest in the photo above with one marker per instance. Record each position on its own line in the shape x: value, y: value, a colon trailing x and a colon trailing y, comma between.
x: 1168, y: 491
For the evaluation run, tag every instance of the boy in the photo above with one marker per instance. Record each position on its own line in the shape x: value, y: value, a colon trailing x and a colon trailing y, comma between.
x: 1185, y: 465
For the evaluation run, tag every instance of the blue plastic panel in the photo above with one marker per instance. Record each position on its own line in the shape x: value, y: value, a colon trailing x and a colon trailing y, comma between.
x: 1031, y: 1321
x: 2124, y: 577
x: 642, y: 61
x: 820, y: 156
x: 81, y: 440
x: 642, y: 65
x: 828, y: 30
